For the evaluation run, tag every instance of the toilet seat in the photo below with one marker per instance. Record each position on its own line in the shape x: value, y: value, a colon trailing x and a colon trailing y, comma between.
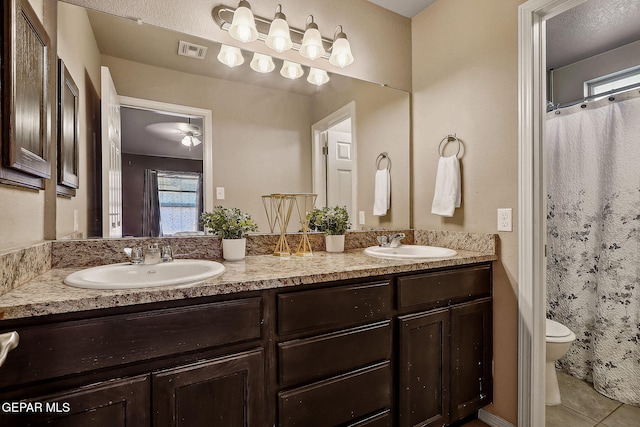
x: 557, y: 332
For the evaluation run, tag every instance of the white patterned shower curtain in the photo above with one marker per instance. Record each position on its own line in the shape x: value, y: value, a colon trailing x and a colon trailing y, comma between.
x: 593, y: 246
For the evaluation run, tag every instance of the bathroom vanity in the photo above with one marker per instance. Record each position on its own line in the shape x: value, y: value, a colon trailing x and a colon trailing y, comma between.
x: 385, y: 343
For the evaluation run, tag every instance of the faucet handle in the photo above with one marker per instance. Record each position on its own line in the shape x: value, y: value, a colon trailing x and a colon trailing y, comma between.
x: 166, y: 253
x: 135, y: 254
x: 382, y: 240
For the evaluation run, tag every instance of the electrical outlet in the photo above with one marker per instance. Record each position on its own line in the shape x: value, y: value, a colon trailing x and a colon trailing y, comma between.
x: 361, y: 217
x: 504, y: 219
x: 220, y: 193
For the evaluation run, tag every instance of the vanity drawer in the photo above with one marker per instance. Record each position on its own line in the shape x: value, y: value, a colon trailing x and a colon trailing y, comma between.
x: 323, y: 356
x: 443, y: 288
x: 338, y: 400
x: 333, y: 307
x: 63, y: 348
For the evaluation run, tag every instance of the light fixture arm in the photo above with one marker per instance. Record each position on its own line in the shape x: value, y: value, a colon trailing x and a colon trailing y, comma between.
x: 223, y: 16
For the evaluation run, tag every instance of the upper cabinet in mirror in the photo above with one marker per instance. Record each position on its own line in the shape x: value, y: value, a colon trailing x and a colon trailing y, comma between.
x: 259, y: 137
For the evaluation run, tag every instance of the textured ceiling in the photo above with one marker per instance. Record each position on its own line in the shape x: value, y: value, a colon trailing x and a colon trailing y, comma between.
x: 591, y: 28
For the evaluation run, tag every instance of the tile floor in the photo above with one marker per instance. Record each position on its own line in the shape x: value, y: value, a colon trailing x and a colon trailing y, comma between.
x: 582, y: 406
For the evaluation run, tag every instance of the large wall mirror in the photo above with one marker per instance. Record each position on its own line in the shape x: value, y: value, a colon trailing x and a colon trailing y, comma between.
x: 256, y: 130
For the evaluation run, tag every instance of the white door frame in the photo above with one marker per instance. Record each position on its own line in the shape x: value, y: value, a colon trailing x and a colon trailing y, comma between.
x: 318, y: 174
x: 207, y: 131
x: 531, y: 205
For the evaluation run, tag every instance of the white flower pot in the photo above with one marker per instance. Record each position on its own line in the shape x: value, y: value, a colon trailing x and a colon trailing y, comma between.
x: 335, y: 243
x: 234, y: 249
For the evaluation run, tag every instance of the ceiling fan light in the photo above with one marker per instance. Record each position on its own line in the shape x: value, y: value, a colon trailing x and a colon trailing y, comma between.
x: 317, y: 76
x: 262, y: 63
x: 279, y: 38
x: 312, y: 46
x: 291, y: 70
x: 341, y: 50
x: 230, y: 56
x: 186, y: 141
x: 243, y: 25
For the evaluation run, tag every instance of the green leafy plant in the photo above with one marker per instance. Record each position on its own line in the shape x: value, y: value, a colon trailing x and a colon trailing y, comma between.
x: 330, y: 221
x: 228, y: 223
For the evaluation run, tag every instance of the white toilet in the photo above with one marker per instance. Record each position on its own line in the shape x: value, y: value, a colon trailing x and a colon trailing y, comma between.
x: 559, y: 339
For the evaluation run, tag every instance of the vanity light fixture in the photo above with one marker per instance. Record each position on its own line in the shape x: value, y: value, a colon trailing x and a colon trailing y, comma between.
x: 277, y: 34
x: 317, y: 76
x: 291, y: 70
x: 312, y: 47
x: 230, y: 56
x: 262, y: 63
x: 243, y: 25
x: 340, y: 50
x: 279, y: 37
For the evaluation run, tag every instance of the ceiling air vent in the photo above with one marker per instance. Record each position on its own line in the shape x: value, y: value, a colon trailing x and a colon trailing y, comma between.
x: 192, y: 50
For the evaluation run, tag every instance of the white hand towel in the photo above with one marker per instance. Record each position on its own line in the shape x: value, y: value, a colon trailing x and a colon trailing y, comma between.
x: 448, y: 194
x: 382, y: 192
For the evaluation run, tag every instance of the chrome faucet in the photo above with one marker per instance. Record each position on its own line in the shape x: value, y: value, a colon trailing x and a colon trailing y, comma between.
x: 152, y: 255
x: 391, y: 241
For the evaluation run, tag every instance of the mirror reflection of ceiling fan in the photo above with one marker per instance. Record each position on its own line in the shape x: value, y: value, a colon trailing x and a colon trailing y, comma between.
x: 186, y: 133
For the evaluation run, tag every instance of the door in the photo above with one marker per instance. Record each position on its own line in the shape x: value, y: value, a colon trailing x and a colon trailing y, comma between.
x: 339, y: 167
x: 424, y: 369
x: 223, y: 392
x: 111, y: 159
x: 471, y: 355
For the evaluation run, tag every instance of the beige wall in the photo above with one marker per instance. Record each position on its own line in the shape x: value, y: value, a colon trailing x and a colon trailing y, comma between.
x: 465, y: 82
x: 78, y: 50
x: 380, y: 40
x: 261, y: 137
x: 382, y: 125
x: 568, y: 81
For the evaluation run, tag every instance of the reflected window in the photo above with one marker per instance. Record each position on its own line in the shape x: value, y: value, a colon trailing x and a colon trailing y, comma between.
x: 180, y: 199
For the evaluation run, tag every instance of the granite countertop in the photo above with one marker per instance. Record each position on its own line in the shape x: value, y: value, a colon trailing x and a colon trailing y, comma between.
x: 47, y: 294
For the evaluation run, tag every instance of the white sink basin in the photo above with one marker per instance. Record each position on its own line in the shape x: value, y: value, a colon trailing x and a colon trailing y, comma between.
x: 126, y: 275
x: 410, y: 252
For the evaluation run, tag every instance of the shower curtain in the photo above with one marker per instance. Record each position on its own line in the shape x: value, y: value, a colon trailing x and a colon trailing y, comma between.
x: 593, y: 240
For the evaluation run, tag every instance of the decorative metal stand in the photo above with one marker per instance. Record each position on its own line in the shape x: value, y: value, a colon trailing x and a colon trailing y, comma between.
x: 305, y: 203
x: 279, y: 207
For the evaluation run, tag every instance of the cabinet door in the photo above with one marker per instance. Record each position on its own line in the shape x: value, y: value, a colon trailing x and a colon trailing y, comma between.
x: 223, y: 392
x: 424, y: 369
x: 472, y: 350
x: 115, y: 403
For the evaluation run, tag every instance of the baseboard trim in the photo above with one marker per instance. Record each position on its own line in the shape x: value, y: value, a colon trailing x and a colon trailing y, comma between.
x: 492, y: 420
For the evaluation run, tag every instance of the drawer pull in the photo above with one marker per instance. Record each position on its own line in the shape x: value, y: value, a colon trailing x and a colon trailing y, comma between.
x: 8, y: 342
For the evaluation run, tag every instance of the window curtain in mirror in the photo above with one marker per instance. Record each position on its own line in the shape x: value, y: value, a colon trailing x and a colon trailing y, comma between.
x: 151, y: 205
x: 593, y: 241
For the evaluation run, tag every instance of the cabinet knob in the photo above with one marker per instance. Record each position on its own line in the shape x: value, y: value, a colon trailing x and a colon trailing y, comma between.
x: 8, y: 342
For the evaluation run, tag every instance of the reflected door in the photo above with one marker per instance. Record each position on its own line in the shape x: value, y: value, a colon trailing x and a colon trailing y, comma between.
x: 111, y: 159
x: 339, y: 169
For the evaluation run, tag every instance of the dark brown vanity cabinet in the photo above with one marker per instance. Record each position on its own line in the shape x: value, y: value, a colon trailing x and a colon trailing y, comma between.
x: 180, y: 366
x: 411, y: 349
x: 445, y: 345
x: 334, y: 356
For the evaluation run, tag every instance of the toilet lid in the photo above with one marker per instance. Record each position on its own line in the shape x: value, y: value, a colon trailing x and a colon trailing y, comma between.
x: 555, y: 329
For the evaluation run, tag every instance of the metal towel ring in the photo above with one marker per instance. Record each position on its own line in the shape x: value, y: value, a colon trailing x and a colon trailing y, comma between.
x: 447, y: 139
x: 380, y: 158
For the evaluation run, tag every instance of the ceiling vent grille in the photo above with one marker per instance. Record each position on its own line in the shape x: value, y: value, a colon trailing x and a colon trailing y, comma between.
x: 192, y: 50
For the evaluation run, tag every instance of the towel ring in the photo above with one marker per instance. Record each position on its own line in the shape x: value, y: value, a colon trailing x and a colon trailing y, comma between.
x: 445, y: 140
x: 380, y: 158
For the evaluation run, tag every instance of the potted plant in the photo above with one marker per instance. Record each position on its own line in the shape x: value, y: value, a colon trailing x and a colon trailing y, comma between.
x: 333, y: 222
x: 232, y: 225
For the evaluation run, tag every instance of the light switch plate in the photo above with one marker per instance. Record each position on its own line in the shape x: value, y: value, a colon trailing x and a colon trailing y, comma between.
x: 361, y: 217
x: 220, y: 193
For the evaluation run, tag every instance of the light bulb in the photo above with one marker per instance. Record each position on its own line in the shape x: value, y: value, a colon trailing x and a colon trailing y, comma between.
x: 317, y: 77
x: 262, y: 63
x: 311, y: 47
x: 230, y: 56
x: 279, y: 38
x: 291, y: 70
x: 243, y: 25
x: 341, y: 51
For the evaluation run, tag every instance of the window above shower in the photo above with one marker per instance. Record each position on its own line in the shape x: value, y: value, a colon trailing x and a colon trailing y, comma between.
x: 620, y: 79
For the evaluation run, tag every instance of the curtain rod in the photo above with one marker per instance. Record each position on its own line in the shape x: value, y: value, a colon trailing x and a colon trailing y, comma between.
x: 552, y: 107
